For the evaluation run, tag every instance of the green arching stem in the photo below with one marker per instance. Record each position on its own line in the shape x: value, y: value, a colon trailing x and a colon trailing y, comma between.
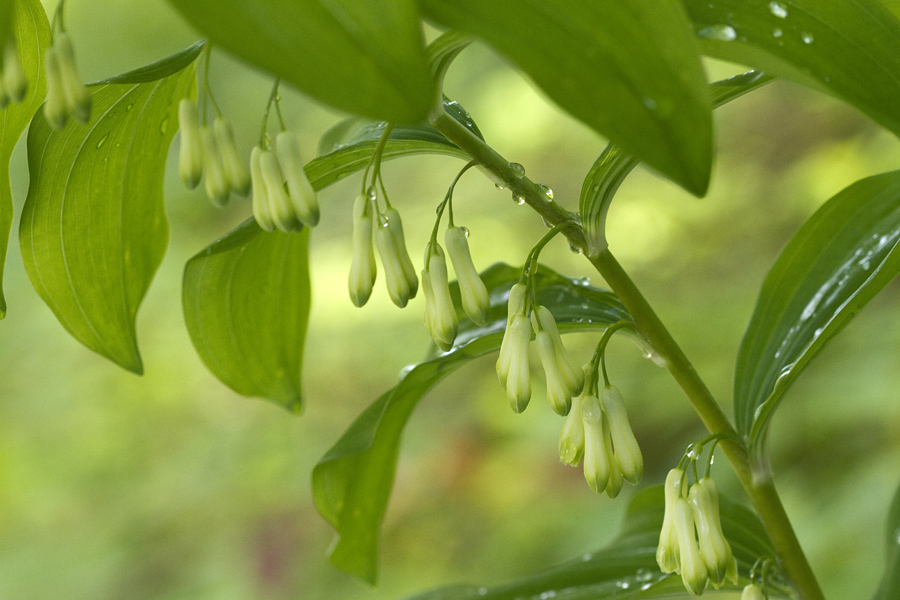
x: 263, y: 134
x: 58, y: 18
x: 207, y: 56
x: 598, y: 358
x: 446, y: 203
x: 761, y: 489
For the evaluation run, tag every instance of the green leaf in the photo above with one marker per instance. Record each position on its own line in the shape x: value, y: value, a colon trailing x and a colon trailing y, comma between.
x: 626, y: 568
x: 94, y: 230
x: 848, y: 48
x: 614, y: 164
x: 629, y: 69
x: 889, y: 588
x: 246, y: 303
x: 365, y: 58
x: 6, y: 20
x: 32, y: 35
x: 838, y: 261
x: 443, y: 51
x: 352, y: 482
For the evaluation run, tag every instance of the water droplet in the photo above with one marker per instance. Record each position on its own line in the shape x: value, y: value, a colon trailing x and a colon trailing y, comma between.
x: 575, y: 249
x: 807, y: 37
x: 546, y: 222
x: 778, y: 9
x: 383, y: 220
x: 405, y: 370
x: 644, y: 575
x: 102, y: 140
x: 482, y: 591
x: 129, y: 107
x: 517, y: 168
x: 498, y: 186
x: 520, y: 200
x: 371, y: 193
x: 623, y: 585
x: 586, y: 557
x: 164, y: 126
x: 650, y: 103
x: 583, y: 281
x: 591, y: 412
x: 720, y: 32
x: 547, y: 191
x: 777, y: 33
x: 646, y: 587
x: 548, y: 594
x: 694, y: 451
x: 465, y: 231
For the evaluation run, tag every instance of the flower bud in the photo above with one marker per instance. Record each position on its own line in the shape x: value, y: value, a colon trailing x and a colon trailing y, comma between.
x: 572, y: 375
x: 714, y: 549
x: 78, y: 98
x: 279, y: 204
x: 260, y: 199
x: 693, y: 570
x: 557, y: 391
x: 14, y: 82
x: 596, y: 462
x: 55, y: 104
x: 616, y: 478
x: 444, y: 323
x: 752, y: 592
x: 667, y: 552
x: 571, y: 438
x: 518, y: 381
x: 190, y: 150
x: 216, y: 186
x: 302, y: 195
x: 362, y: 269
x: 395, y: 226
x: 628, y: 453
x: 475, y: 299
x: 516, y: 305
x: 397, y: 285
x: 235, y: 172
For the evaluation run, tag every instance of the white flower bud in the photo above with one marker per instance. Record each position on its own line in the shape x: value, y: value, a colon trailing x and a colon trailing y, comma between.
x: 517, y: 296
x: 714, y: 548
x: 518, y: 381
x: 571, y: 438
x: 628, y: 453
x: 395, y: 226
x: 667, y: 552
x: 235, y: 172
x: 616, y: 477
x: 190, y: 150
x: 572, y: 375
x: 557, y: 391
x: 14, y: 82
x: 395, y: 279
x: 55, y: 110
x: 302, y: 195
x: 216, y: 186
x: 596, y: 462
x: 444, y: 322
x: 752, y: 592
x: 78, y: 98
x: 279, y: 204
x: 362, y: 269
x: 475, y: 299
x: 693, y: 570
x: 260, y: 199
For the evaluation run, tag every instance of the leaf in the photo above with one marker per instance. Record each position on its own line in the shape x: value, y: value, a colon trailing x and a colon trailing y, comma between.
x: 614, y: 164
x: 93, y: 230
x: 848, y: 48
x: 32, y: 35
x: 839, y: 260
x: 443, y: 51
x: 628, y: 69
x: 365, y: 58
x: 246, y: 302
x: 352, y: 482
x: 889, y: 588
x: 626, y: 568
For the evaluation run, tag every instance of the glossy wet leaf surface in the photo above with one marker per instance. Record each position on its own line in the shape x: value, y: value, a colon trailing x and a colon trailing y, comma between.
x: 839, y: 260
x: 93, y: 229
x: 353, y: 481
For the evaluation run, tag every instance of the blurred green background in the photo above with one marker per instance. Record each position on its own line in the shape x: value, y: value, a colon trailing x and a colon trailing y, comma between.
x: 170, y: 486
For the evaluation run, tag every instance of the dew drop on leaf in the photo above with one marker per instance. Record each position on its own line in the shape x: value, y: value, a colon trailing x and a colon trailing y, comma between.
x: 778, y: 9
x: 719, y: 32
x: 102, y: 140
x: 777, y: 33
x: 807, y: 37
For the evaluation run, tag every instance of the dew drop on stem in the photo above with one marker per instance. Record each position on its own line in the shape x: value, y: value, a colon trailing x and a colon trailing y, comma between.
x: 517, y: 168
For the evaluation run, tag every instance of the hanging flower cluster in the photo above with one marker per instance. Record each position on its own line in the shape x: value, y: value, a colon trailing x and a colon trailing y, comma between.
x: 283, y: 197
x: 13, y: 83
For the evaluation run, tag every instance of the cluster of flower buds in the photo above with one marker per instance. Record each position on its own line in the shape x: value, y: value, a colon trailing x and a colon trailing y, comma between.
x: 274, y: 206
x: 66, y: 94
x: 385, y: 229
x: 564, y: 379
x: 691, y: 541
x: 13, y: 83
x: 597, y: 429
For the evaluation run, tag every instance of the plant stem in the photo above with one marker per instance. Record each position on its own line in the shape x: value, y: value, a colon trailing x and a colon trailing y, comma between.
x: 756, y: 481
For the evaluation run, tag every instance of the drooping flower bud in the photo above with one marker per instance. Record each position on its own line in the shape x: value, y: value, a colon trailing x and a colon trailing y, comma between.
x: 596, y: 462
x: 395, y: 226
x: 14, y: 82
x: 628, y: 453
x: 616, y: 477
x: 693, y: 570
x: 558, y: 394
x: 235, y: 172
x: 667, y: 552
x: 394, y: 277
x: 78, y: 98
x: 475, y: 299
x: 444, y: 322
x: 260, y: 199
x: 518, y: 380
x: 571, y: 438
x: 216, y: 187
x: 516, y: 305
x: 55, y: 110
x: 572, y: 375
x: 190, y: 150
x: 362, y: 268
x: 714, y: 548
x: 752, y: 592
x: 302, y: 195
x: 279, y: 204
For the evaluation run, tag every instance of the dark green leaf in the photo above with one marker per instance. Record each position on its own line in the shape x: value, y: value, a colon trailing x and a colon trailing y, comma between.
x: 838, y: 261
x: 365, y: 58
x: 246, y: 305
x: 352, y: 482
x: 848, y: 48
x: 889, y: 588
x: 32, y: 35
x: 629, y: 69
x: 614, y: 165
x: 93, y: 230
x: 627, y: 568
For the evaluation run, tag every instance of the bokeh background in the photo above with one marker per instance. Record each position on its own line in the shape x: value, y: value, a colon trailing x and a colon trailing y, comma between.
x: 170, y: 486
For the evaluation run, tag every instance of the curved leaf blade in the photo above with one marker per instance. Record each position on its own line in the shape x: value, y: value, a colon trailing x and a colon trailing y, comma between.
x: 626, y: 568
x: 889, y: 587
x: 352, y: 482
x: 32, y: 35
x: 366, y: 58
x: 839, y: 260
x: 848, y: 48
x: 246, y: 302
x: 94, y: 230
x: 628, y: 69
